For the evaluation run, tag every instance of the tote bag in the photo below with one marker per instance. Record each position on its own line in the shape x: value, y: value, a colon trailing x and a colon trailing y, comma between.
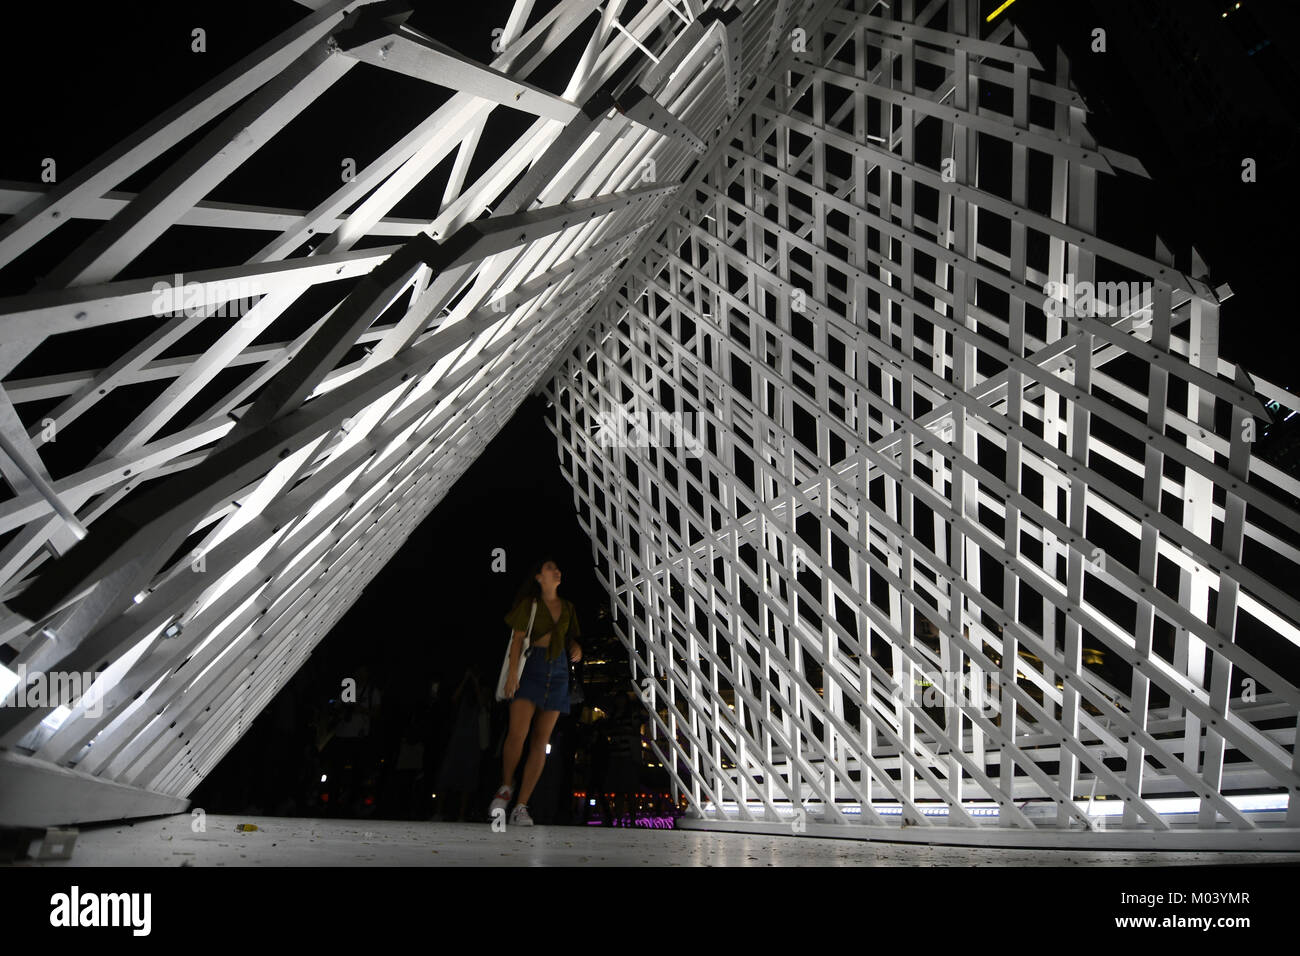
x: 505, y: 664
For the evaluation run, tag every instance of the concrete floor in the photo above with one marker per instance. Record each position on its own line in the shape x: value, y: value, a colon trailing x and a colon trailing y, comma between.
x: 289, y: 841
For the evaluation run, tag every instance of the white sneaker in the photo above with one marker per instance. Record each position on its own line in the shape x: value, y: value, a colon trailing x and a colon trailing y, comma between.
x: 520, y: 817
x: 500, y: 802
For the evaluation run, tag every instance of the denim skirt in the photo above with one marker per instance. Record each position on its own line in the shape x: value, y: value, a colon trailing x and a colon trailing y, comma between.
x: 545, y: 684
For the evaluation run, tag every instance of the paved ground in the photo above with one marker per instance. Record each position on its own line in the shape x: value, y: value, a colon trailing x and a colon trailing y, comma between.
x: 286, y: 841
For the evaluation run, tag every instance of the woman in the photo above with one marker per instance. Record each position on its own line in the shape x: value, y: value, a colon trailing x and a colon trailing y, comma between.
x: 539, y: 688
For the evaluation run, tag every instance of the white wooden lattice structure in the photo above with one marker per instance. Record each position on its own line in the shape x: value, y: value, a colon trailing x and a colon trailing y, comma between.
x: 814, y: 229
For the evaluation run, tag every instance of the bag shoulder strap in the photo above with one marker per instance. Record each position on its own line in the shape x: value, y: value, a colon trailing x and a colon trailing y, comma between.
x: 531, y: 616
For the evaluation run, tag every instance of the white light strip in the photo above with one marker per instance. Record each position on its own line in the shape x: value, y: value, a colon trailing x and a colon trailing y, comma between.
x: 1247, y: 803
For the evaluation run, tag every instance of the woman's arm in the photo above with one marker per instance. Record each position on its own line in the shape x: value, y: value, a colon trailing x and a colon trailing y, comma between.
x: 516, y: 619
x: 512, y: 675
x: 516, y: 650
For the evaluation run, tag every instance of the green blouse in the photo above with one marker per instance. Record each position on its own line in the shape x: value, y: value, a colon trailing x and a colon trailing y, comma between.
x: 565, y: 629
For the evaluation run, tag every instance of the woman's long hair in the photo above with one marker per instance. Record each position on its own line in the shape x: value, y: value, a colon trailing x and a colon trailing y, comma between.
x: 531, y: 589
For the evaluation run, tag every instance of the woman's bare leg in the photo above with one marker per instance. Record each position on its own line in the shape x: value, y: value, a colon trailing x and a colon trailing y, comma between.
x: 542, y: 728
x: 521, y: 714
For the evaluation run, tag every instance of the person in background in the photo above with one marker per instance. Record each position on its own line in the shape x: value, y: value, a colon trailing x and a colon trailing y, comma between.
x: 409, y: 772
x: 622, y: 776
x: 353, y: 744
x: 459, y: 773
